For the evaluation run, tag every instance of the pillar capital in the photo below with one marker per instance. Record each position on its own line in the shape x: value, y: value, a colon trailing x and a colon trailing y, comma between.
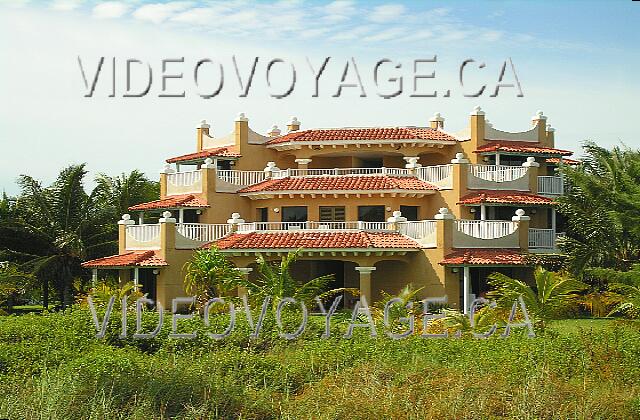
x: 304, y: 161
x: 365, y: 270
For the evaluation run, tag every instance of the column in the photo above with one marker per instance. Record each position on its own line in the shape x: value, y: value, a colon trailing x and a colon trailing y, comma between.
x: 94, y: 277
x: 303, y: 165
x: 466, y: 288
x: 141, y: 218
x: 242, y: 291
x: 180, y: 215
x: 497, y: 158
x: 365, y: 282
x: 483, y: 212
x: 523, y: 228
x: 136, y: 277
x: 122, y: 232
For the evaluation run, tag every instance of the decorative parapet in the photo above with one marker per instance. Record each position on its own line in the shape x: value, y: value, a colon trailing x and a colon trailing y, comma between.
x: 498, y: 177
x: 184, y: 182
x: 485, y: 234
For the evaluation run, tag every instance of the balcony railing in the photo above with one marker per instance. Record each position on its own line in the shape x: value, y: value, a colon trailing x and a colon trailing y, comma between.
x: 201, y: 232
x: 544, y: 238
x: 440, y: 175
x: 550, y: 185
x: 283, y: 173
x: 486, y: 229
x: 241, y: 178
x: 311, y: 225
x: 141, y: 237
x: 184, y: 182
x: 498, y: 173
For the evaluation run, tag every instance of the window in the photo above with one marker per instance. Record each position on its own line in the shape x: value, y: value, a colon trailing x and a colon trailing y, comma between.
x: 262, y: 214
x: 294, y: 214
x: 332, y: 214
x: 224, y: 164
x: 410, y: 212
x: 190, y: 216
x: 371, y: 163
x: 371, y: 213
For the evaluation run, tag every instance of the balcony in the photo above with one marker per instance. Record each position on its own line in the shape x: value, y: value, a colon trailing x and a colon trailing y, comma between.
x: 498, y: 177
x: 485, y: 234
x: 233, y: 180
x: 550, y: 185
x: 544, y: 240
x: 184, y: 182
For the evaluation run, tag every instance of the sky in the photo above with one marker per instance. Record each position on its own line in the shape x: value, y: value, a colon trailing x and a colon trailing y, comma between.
x: 576, y: 61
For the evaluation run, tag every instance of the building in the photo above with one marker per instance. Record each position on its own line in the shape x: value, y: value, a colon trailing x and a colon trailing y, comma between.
x: 377, y: 207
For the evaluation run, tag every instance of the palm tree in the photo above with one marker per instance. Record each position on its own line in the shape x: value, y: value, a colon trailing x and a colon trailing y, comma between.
x: 552, y: 296
x: 624, y: 289
x: 12, y: 282
x: 121, y: 192
x: 210, y: 273
x: 275, y: 280
x: 54, y: 229
x: 603, y: 209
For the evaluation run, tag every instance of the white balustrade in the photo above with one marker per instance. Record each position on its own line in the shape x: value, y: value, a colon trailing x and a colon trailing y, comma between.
x: 312, y: 225
x: 144, y: 233
x: 340, y: 171
x: 486, y: 229
x: 550, y: 185
x: 202, y: 232
x: 184, y: 182
x: 419, y: 229
x: 498, y: 173
x: 440, y: 175
x: 241, y: 178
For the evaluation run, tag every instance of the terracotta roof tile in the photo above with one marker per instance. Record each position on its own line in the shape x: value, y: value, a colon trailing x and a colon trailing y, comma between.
x: 564, y: 160
x: 315, y: 240
x: 218, y: 151
x: 372, y: 133
x: 341, y: 183
x: 129, y: 259
x: 174, y: 201
x: 474, y: 256
x: 520, y: 147
x: 504, y: 197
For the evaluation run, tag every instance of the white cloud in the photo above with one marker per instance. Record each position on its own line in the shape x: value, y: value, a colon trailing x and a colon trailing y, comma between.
x: 353, y: 33
x: 110, y: 10
x: 339, y: 10
x: 65, y: 5
x: 386, y: 13
x: 159, y: 12
x: 386, y: 35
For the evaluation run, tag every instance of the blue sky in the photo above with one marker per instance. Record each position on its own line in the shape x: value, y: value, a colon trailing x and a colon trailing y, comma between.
x: 575, y: 60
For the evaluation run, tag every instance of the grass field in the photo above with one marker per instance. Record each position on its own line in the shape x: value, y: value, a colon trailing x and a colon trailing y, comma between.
x: 51, y: 366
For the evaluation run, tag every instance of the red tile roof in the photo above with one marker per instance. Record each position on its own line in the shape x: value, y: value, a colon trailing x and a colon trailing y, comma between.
x: 315, y: 240
x: 229, y: 151
x: 564, y: 160
x: 129, y: 259
x: 341, y: 183
x: 520, y: 147
x: 473, y: 256
x: 374, y: 133
x: 504, y: 197
x: 172, y: 202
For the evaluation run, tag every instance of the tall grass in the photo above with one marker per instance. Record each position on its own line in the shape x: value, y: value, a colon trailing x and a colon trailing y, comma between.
x: 51, y: 367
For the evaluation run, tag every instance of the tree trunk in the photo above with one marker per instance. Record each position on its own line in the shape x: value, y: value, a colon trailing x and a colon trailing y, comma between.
x: 45, y: 294
x: 67, y: 293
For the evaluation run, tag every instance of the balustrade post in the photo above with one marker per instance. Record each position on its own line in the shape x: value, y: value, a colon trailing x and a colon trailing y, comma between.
x: 209, y: 175
x: 303, y: 165
x: 532, y: 170
x: 460, y: 174
x: 122, y: 232
x: 444, y: 229
x: 167, y: 233
x: 394, y: 222
x: 234, y: 222
x: 163, y: 179
x: 523, y: 228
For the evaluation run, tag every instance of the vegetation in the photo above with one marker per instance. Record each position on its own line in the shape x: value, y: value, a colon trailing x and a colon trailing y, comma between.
x: 51, y: 366
x: 553, y: 296
x: 49, y: 231
x: 209, y: 274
